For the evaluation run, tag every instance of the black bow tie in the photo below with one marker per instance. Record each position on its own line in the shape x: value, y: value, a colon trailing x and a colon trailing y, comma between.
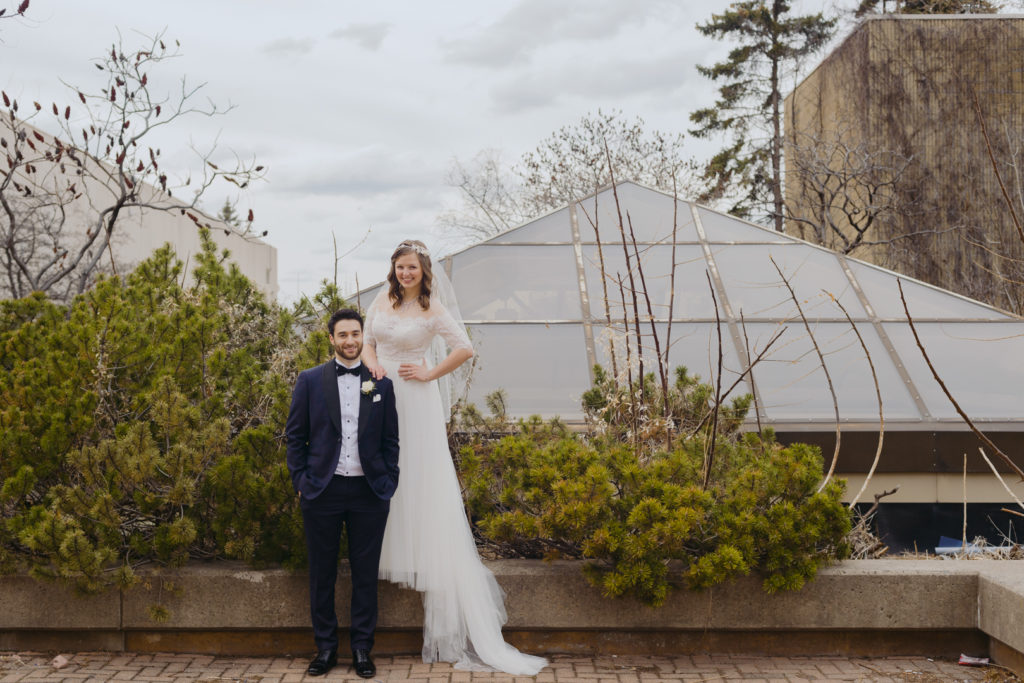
x: 342, y: 370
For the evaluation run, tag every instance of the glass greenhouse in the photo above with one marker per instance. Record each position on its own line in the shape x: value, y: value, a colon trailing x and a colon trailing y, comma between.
x: 542, y: 311
x: 544, y: 304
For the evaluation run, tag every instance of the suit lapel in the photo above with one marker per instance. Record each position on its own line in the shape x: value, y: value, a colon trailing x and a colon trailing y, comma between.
x: 329, y: 381
x: 365, y: 399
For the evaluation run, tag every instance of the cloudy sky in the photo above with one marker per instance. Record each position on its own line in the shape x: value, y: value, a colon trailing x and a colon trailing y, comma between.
x: 357, y: 109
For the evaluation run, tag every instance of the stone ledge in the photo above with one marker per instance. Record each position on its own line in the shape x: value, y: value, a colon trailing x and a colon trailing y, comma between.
x: 932, y: 607
x: 875, y: 594
x: 1001, y: 604
x: 29, y: 604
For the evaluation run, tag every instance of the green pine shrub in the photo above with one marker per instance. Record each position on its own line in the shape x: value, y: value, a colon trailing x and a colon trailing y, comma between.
x: 615, y: 495
x: 143, y: 424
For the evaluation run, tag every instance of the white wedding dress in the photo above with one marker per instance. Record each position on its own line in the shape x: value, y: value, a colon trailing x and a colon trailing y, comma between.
x: 428, y: 543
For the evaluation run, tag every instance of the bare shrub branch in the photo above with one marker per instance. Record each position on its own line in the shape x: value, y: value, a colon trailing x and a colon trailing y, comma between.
x: 824, y: 367
x: 878, y: 396
x: 709, y: 456
x: 960, y: 411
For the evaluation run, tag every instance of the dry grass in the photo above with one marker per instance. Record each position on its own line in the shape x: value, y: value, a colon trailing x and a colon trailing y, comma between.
x: 864, y: 544
x: 978, y: 549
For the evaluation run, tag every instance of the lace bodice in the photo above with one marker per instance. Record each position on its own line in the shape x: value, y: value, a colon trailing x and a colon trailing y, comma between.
x: 405, y: 335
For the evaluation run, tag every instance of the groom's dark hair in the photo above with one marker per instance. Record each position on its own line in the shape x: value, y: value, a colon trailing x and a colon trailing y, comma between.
x: 344, y: 314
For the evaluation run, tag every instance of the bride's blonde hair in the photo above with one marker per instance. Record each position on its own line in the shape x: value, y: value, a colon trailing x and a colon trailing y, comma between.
x: 426, y: 284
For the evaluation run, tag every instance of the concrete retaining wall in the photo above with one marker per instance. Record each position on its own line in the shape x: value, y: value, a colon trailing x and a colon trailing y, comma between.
x: 925, y: 607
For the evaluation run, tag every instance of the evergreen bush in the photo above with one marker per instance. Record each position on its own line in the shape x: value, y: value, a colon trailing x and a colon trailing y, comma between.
x: 143, y: 423
x: 639, y: 511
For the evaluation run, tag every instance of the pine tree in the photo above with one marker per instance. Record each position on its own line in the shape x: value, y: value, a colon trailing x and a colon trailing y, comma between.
x: 926, y: 7
x: 749, y: 107
x: 141, y: 424
x: 229, y: 215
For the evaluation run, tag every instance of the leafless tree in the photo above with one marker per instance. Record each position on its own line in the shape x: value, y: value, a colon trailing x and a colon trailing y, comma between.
x: 569, y: 165
x: 63, y: 197
x: 845, y: 189
x: 491, y: 197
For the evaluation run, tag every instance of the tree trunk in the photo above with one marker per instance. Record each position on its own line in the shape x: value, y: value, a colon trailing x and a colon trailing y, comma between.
x: 776, y: 148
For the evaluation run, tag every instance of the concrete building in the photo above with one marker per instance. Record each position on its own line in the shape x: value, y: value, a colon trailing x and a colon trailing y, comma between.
x: 139, y: 230
x: 902, y: 89
x: 144, y: 231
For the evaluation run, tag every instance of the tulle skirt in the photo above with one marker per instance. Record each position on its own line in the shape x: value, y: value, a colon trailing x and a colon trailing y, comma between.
x: 428, y: 544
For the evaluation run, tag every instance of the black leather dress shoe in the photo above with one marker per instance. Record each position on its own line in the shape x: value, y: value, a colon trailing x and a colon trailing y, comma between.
x: 323, y: 662
x: 362, y: 663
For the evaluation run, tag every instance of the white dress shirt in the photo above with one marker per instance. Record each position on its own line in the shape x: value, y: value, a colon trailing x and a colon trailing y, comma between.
x: 348, y: 391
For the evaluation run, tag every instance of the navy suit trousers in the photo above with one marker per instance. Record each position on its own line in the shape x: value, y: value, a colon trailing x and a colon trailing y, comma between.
x: 348, y: 502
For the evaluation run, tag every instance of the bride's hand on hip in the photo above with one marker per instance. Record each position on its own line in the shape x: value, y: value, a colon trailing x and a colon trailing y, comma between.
x: 409, y: 371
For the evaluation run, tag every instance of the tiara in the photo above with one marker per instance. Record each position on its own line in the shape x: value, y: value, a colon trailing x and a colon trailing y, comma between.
x: 422, y: 251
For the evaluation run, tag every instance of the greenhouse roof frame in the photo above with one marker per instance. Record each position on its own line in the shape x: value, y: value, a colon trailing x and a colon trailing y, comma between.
x: 540, y: 285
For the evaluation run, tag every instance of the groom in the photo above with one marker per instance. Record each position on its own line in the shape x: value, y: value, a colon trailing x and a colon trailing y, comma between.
x: 342, y: 434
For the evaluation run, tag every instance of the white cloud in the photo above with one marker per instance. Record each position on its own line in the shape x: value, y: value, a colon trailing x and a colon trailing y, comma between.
x: 367, y: 173
x: 607, y: 81
x: 289, y: 46
x: 363, y: 229
x: 367, y: 36
x: 534, y: 24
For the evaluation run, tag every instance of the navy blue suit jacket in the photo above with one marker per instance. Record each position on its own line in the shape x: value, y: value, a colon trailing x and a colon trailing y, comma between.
x: 313, y: 432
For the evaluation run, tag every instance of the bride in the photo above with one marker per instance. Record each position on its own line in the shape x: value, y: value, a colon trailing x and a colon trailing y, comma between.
x: 428, y: 543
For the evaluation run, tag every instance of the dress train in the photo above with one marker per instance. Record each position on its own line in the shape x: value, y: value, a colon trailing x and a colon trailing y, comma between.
x: 428, y: 544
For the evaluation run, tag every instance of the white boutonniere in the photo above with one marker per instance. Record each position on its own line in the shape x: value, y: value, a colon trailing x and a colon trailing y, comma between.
x: 368, y: 387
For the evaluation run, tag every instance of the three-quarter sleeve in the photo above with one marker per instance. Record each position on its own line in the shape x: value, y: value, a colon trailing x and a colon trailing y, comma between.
x: 453, y: 332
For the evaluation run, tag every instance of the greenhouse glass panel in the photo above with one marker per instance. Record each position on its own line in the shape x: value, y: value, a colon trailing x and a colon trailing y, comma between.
x: 719, y: 227
x: 650, y: 212
x: 543, y: 368
x: 364, y: 298
x: 554, y: 227
x: 754, y: 286
x: 517, y: 283
x: 979, y: 362
x: 692, y: 297
x: 793, y: 385
x: 692, y: 345
x: 883, y: 294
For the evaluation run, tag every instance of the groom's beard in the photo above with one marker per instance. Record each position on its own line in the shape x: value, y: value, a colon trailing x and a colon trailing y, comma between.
x: 348, y: 355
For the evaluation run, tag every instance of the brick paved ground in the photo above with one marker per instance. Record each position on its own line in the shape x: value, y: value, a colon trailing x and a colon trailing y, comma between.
x: 97, y: 667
